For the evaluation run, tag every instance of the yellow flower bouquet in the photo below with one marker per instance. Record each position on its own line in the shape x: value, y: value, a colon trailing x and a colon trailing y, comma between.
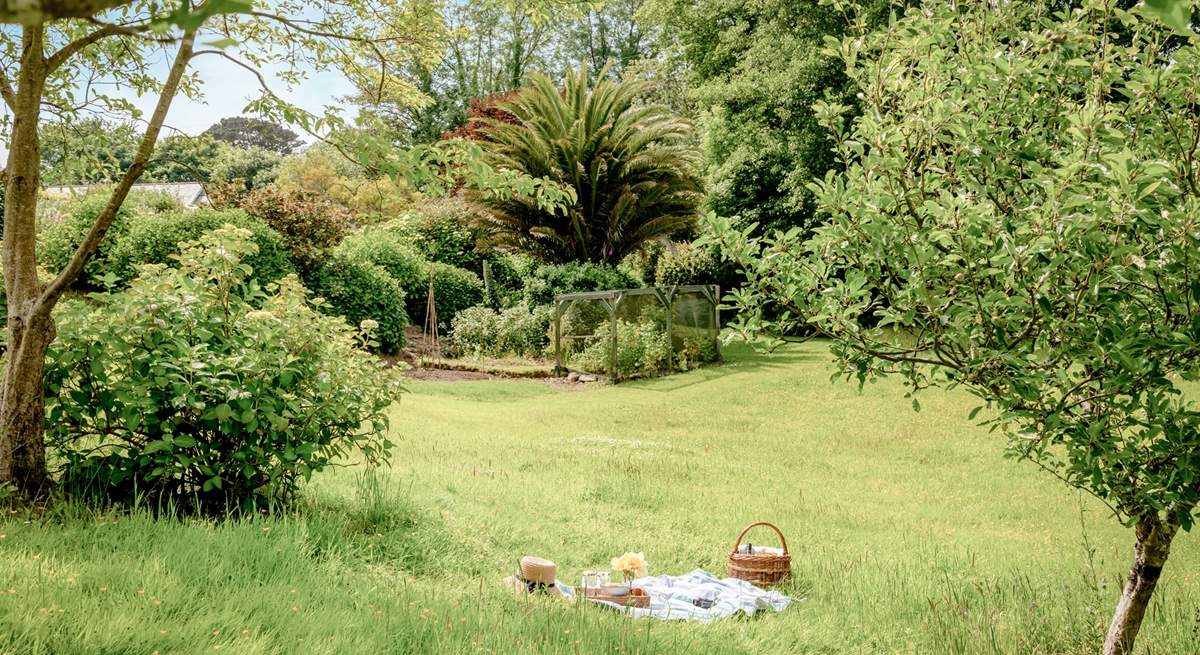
x: 630, y: 566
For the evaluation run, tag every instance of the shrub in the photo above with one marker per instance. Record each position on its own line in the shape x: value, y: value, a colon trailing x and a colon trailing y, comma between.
x: 509, y: 273
x: 696, y: 350
x: 642, y: 349
x: 442, y: 231
x: 58, y: 241
x: 311, y: 225
x: 361, y: 291
x: 455, y: 289
x: 155, y: 238
x: 547, y: 280
x: 642, y: 264
x: 484, y: 332
x: 195, y: 385
x: 686, y: 263
x: 388, y: 250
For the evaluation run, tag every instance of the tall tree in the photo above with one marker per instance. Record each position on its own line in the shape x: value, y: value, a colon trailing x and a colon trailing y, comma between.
x: 46, y: 62
x: 630, y: 166
x: 183, y: 158
x: 755, y: 68
x: 89, y: 151
x: 251, y: 132
x: 1019, y: 217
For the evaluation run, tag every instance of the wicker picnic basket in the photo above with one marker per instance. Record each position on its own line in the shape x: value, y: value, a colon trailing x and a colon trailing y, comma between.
x: 760, y: 568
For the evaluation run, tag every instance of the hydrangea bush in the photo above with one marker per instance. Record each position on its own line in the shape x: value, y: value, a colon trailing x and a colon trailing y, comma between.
x: 197, y: 385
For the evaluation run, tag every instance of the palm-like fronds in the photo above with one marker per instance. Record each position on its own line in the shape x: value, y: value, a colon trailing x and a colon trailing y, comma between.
x: 630, y: 166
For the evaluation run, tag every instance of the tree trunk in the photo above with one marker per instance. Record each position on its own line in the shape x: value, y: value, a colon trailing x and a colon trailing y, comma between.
x: 22, y: 454
x: 1149, y: 555
x: 23, y: 412
x: 30, y: 303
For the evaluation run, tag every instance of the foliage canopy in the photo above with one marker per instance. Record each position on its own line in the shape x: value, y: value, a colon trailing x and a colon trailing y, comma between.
x: 1019, y: 216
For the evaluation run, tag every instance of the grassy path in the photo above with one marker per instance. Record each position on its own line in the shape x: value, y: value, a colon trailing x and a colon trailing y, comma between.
x: 910, y: 533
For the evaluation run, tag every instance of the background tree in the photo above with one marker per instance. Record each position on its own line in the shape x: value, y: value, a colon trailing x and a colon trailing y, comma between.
x: 91, y: 151
x: 251, y: 132
x: 629, y: 165
x: 604, y: 33
x: 183, y: 158
x: 1019, y: 216
x: 762, y: 142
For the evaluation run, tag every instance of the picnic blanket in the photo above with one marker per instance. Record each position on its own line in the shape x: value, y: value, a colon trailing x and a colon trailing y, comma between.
x: 702, y: 596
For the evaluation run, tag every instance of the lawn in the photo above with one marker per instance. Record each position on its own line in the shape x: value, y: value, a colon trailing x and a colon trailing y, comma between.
x: 909, y: 531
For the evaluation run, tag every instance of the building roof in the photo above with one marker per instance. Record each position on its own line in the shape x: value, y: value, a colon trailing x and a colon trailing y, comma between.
x: 189, y: 194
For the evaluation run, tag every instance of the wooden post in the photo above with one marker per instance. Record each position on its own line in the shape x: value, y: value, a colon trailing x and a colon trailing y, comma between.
x: 558, y: 359
x: 487, y: 285
x: 668, y: 301
x: 612, y: 318
x: 716, y: 291
x: 431, y: 321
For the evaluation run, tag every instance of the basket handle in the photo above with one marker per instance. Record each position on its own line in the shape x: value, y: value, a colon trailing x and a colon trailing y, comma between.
x: 755, y: 525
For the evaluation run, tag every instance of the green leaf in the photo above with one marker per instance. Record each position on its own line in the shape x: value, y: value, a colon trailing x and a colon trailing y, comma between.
x: 1175, y: 14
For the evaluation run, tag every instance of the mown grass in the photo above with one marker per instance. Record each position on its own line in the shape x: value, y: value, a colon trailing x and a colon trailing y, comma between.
x: 910, y: 533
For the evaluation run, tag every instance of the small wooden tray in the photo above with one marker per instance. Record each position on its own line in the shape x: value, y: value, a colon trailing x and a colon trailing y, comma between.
x: 628, y: 600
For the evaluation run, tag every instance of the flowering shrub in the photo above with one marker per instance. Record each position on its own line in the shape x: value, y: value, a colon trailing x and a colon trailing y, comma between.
x: 643, y: 349
x: 484, y: 332
x: 195, y: 385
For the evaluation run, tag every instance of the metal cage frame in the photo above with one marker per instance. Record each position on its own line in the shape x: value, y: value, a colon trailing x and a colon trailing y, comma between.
x: 612, y: 300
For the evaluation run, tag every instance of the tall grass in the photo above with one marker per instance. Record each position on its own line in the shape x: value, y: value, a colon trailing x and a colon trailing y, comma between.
x: 909, y: 533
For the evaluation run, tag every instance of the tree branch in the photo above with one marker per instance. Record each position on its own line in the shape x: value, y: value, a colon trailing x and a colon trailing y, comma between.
x: 106, y: 30
x: 145, y: 151
x: 6, y: 91
x: 33, y: 12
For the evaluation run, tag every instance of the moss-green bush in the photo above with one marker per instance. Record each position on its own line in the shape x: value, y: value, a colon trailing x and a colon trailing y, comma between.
x: 547, y: 280
x: 57, y: 242
x: 455, y: 289
x: 442, y: 231
x: 157, y: 238
x: 390, y: 251
x: 361, y: 291
x: 685, y: 263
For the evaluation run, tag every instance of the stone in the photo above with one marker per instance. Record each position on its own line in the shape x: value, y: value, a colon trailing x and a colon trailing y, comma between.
x: 572, y: 377
x: 587, y: 378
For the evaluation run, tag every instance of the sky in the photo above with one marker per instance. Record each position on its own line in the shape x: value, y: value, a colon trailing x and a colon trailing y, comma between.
x: 226, y: 89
